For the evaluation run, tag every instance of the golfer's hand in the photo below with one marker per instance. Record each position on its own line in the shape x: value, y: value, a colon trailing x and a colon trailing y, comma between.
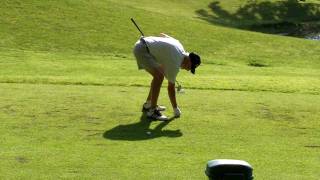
x: 177, y: 112
x: 164, y: 35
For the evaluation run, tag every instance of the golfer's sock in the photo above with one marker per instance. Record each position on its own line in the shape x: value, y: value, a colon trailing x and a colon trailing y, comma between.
x: 150, y: 111
x: 147, y: 104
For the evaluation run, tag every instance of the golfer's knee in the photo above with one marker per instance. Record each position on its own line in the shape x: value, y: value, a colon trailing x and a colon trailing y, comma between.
x: 158, y: 77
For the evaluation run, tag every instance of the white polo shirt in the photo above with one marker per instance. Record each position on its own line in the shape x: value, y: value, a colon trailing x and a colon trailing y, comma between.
x: 168, y: 52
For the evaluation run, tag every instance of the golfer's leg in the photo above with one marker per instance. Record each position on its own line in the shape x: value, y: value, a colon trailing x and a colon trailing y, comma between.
x: 150, y: 91
x: 155, y: 86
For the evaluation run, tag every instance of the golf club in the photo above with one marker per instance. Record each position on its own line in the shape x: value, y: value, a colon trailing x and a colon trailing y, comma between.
x: 179, y: 88
x: 137, y: 26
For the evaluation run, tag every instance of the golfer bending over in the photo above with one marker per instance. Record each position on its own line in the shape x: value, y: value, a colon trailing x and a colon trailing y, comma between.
x: 163, y: 57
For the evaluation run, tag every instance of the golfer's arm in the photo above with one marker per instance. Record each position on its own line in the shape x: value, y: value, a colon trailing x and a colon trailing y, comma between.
x: 172, y: 94
x: 164, y: 35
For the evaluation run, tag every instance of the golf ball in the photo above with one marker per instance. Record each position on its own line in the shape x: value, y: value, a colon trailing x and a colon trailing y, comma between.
x: 181, y: 91
x: 148, y: 132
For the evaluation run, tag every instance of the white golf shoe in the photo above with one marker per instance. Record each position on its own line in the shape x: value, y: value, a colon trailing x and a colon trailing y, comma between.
x: 156, y: 115
x: 177, y: 112
x: 146, y: 107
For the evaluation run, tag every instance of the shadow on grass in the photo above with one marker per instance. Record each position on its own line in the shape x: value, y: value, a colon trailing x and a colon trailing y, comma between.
x: 141, y: 131
x: 290, y: 17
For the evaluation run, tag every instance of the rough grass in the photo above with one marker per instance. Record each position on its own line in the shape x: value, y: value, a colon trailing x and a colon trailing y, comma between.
x: 104, y: 27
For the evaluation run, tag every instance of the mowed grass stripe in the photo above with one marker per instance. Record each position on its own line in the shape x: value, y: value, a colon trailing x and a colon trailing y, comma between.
x: 113, y: 70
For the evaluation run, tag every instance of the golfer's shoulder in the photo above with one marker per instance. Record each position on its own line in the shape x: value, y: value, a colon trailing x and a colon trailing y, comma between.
x: 157, y: 39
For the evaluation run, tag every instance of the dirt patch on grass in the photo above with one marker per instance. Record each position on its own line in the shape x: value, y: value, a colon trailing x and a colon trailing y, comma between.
x: 257, y: 63
x: 313, y: 146
x: 21, y: 159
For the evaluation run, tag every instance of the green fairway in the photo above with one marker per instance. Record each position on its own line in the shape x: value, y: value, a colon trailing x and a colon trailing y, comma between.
x: 71, y: 94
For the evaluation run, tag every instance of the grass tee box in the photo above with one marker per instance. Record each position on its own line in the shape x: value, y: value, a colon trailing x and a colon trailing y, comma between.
x: 80, y: 132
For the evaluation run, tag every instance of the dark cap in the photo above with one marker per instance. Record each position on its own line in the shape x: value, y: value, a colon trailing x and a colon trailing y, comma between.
x: 195, y: 61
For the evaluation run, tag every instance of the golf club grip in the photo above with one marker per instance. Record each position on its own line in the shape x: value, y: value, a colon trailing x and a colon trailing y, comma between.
x: 137, y: 26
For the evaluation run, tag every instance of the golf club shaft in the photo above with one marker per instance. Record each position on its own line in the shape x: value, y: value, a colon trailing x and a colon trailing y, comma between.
x: 137, y: 26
